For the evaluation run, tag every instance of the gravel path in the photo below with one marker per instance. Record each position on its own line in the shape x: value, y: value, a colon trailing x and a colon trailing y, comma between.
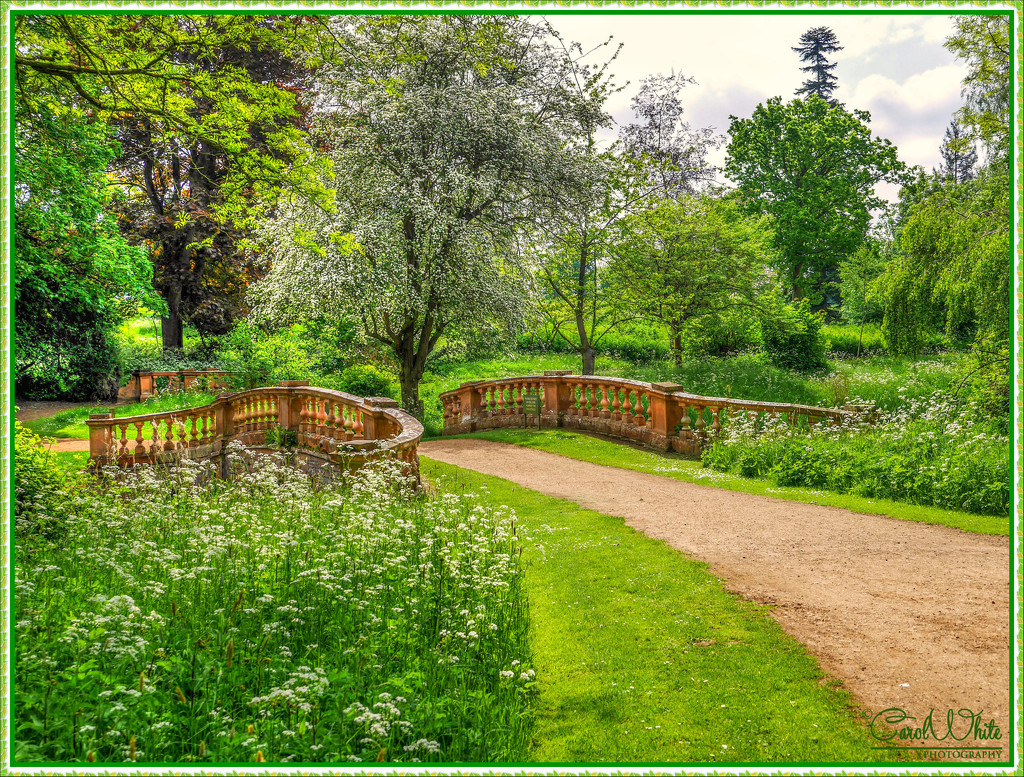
x: 906, y: 614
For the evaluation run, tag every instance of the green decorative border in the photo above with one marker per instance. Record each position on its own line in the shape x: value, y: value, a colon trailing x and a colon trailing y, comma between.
x: 723, y: 7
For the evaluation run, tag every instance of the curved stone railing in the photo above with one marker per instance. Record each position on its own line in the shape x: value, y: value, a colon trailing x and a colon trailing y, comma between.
x: 659, y: 415
x: 321, y: 426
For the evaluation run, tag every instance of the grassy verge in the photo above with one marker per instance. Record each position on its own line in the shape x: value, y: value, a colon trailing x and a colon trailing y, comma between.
x: 614, y: 454
x: 642, y: 656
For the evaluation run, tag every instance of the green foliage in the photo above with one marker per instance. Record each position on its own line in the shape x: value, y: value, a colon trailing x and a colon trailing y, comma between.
x: 271, y: 620
x: 791, y: 334
x: 635, y: 341
x: 260, y: 358
x: 282, y: 438
x: 725, y: 334
x: 41, y: 484
x: 812, y: 167
x: 847, y: 340
x: 363, y: 380
x: 75, y: 277
x: 953, y: 263
x: 930, y: 452
x: 982, y: 41
x: 684, y: 258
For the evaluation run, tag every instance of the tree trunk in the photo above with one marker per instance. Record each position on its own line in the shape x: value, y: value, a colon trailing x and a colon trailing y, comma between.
x: 676, y: 336
x: 171, y: 326
x: 861, y: 338
x: 589, y: 355
x: 411, y: 401
x: 172, y: 331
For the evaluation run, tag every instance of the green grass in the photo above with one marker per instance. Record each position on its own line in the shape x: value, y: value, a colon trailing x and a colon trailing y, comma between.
x: 642, y: 656
x: 614, y: 454
x: 71, y: 423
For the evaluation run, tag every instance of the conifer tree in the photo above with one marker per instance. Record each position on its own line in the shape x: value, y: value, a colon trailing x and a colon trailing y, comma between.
x: 815, y: 44
x: 958, y: 154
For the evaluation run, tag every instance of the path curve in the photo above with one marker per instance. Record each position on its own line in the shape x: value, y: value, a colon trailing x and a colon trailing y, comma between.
x: 907, y: 614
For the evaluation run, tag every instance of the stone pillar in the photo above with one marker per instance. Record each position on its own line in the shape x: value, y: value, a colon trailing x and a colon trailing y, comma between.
x: 100, y: 437
x: 664, y: 412
x: 469, y: 399
x: 289, y: 404
x: 146, y: 385
x: 376, y: 424
x: 556, y: 397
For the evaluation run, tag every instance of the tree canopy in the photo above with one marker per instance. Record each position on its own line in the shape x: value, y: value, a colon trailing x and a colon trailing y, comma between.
x: 206, y: 112
x: 812, y: 167
x: 446, y: 134
x: 75, y: 277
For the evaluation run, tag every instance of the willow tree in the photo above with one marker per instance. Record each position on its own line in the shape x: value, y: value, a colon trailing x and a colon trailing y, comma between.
x: 446, y: 133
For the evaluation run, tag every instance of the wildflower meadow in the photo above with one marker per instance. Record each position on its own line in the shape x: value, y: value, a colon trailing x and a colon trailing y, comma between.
x: 180, y: 618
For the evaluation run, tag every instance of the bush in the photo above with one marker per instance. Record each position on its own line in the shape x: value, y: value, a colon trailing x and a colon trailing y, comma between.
x: 363, y: 380
x: 791, y: 335
x: 40, y: 483
x: 731, y: 332
x: 272, y: 620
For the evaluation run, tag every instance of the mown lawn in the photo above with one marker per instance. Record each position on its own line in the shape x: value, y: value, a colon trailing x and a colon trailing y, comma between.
x: 642, y: 656
x: 615, y: 454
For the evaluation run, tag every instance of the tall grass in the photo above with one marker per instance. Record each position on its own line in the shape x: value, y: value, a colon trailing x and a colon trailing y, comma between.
x: 263, y: 619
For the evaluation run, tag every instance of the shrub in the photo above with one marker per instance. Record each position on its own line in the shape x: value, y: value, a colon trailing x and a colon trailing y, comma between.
x: 363, y: 380
x: 791, y: 335
x: 732, y: 332
x: 272, y: 620
x: 39, y: 483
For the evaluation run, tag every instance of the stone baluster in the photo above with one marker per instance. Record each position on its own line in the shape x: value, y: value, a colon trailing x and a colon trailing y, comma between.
x: 685, y: 432
x: 139, y: 447
x: 519, y: 398
x: 638, y: 410
x: 605, y: 389
x: 332, y: 422
x: 616, y: 404
x: 699, y: 424
x: 168, y: 436
x: 500, y: 390
x: 716, y: 425
x: 627, y: 406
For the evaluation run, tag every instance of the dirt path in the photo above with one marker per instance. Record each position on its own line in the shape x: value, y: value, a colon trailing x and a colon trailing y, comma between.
x: 907, y: 615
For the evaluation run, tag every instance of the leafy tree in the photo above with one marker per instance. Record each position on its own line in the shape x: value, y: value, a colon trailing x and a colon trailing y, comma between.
x: 958, y: 154
x: 812, y: 167
x: 683, y: 259
x: 75, y: 277
x: 815, y: 45
x: 858, y: 273
x: 660, y: 155
x: 446, y: 134
x: 209, y: 126
x: 953, y: 263
x: 983, y: 42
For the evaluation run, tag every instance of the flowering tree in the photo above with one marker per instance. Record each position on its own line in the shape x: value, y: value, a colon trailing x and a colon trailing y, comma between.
x: 660, y: 155
x: 446, y: 133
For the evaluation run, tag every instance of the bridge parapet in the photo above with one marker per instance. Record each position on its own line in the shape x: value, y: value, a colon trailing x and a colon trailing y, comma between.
x: 658, y: 415
x: 322, y: 427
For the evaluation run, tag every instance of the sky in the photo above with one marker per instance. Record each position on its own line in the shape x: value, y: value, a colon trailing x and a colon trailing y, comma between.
x: 893, y: 66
